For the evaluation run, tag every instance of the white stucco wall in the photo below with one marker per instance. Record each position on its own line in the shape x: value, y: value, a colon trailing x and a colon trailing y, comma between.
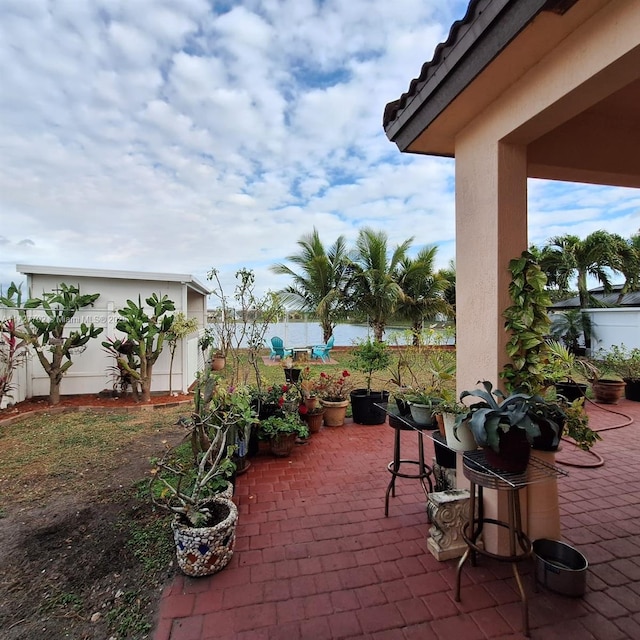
x: 615, y: 326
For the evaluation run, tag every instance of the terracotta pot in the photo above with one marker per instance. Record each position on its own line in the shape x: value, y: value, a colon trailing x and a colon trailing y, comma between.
x: 282, y: 445
x: 440, y: 423
x: 314, y: 421
x: 218, y: 362
x: 312, y: 403
x: 608, y: 391
x: 334, y: 412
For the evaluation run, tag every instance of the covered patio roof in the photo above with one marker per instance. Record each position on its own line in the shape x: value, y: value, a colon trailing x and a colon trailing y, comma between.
x: 589, y: 135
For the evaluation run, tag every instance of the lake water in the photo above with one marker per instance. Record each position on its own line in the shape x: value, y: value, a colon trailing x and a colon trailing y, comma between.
x: 301, y: 334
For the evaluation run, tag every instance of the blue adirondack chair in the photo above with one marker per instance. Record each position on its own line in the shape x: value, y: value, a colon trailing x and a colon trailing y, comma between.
x: 277, y: 349
x: 322, y: 351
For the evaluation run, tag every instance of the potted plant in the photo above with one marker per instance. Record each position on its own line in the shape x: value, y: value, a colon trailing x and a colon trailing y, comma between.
x: 458, y: 438
x: 334, y: 390
x: 502, y: 426
x: 291, y: 373
x: 368, y: 357
x: 282, y: 431
x: 312, y: 416
x: 624, y: 363
x: 192, y: 482
x: 577, y: 425
x: 563, y: 369
x: 422, y: 406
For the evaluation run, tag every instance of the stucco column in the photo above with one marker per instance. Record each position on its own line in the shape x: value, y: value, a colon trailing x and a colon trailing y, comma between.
x: 491, y: 228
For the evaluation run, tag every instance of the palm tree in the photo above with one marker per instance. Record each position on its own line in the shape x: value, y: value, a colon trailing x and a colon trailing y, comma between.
x: 449, y: 274
x: 424, y: 291
x: 568, y: 256
x: 373, y: 285
x: 319, y: 278
x: 630, y: 253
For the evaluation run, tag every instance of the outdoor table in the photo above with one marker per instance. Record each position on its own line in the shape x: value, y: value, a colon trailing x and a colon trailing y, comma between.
x: 300, y: 354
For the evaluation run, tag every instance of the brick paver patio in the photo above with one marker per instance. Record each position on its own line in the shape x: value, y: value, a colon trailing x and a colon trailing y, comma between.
x: 316, y: 558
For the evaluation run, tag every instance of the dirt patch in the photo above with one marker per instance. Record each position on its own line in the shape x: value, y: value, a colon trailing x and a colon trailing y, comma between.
x: 67, y: 566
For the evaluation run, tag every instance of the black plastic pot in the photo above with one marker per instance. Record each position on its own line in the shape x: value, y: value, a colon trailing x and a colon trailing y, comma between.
x: 362, y: 406
x: 514, y: 453
x: 632, y: 390
x: 292, y: 375
x: 547, y: 440
x: 571, y: 390
x: 445, y: 457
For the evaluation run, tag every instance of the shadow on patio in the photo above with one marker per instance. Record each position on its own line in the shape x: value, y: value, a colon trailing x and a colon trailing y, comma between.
x: 316, y: 558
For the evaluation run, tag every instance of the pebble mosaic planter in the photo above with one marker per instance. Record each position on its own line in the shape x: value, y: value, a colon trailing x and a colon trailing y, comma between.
x: 202, y: 551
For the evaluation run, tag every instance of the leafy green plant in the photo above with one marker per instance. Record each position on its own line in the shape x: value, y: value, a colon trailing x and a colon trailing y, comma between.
x: 369, y: 356
x: 621, y: 361
x: 577, y: 425
x: 421, y: 396
x: 282, y: 425
x: 496, y: 414
x: 181, y: 327
x: 562, y: 365
x: 528, y: 323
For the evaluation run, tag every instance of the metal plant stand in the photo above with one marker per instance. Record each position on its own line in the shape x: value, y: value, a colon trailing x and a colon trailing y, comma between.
x: 481, y: 475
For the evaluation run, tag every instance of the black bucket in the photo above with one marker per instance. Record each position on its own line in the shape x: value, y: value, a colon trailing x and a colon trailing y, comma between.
x: 559, y: 567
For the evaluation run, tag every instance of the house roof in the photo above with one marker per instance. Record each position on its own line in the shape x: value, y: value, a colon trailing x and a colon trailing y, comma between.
x: 183, y: 278
x: 476, y: 40
x: 631, y: 299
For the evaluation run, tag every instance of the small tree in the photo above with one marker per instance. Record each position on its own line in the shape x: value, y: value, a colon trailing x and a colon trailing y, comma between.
x: 369, y: 356
x: 147, y: 333
x: 246, y: 326
x: 180, y: 329
x: 45, y: 333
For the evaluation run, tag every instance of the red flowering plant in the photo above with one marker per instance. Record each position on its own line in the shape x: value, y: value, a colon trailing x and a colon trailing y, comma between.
x: 275, y: 394
x: 334, y: 387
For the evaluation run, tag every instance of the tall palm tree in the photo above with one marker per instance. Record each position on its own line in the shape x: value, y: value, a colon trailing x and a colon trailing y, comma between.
x: 599, y: 255
x: 630, y: 253
x: 374, y: 287
x: 424, y: 291
x: 568, y: 256
x: 449, y: 274
x: 319, y: 278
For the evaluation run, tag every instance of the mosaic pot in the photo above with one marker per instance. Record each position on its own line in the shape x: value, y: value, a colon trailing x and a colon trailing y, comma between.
x: 201, y: 551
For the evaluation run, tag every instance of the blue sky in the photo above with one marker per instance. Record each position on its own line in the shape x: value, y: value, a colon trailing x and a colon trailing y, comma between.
x: 167, y: 136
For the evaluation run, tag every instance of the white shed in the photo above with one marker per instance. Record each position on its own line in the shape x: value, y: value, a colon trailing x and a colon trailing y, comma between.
x: 90, y: 372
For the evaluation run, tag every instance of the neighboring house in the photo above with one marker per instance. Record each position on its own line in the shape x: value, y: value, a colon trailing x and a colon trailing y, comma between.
x: 90, y: 371
x: 617, y: 323
x: 536, y: 88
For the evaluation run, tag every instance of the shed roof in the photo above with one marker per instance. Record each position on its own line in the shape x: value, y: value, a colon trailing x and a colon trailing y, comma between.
x: 630, y: 299
x: 183, y: 278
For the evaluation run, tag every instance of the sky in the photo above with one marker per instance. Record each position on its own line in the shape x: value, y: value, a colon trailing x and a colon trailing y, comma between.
x: 180, y: 136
